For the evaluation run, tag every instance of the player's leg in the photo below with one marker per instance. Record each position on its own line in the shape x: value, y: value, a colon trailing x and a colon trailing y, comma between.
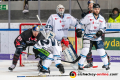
x: 57, y: 58
x: 103, y: 39
x: 15, y: 58
x: 101, y: 52
x: 47, y: 57
x: 84, y: 52
x: 89, y: 59
x: 20, y: 46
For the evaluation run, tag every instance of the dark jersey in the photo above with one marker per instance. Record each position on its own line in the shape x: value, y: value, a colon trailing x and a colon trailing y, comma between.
x: 26, y: 37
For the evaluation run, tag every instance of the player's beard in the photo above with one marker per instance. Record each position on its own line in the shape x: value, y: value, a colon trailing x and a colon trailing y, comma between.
x: 96, y: 14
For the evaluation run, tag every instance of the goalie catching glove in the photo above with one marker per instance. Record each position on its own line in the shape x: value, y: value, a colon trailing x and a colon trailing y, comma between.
x: 99, y: 33
x: 42, y: 53
x: 79, y: 33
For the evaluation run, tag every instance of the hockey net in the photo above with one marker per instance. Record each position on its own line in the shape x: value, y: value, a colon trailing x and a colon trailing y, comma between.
x: 27, y: 57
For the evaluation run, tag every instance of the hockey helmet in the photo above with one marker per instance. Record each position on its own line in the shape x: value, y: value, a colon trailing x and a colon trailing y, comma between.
x: 58, y: 7
x: 90, y: 1
x: 96, y: 6
x: 35, y: 28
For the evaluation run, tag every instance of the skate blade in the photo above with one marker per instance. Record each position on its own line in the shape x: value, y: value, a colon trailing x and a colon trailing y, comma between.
x: 94, y: 70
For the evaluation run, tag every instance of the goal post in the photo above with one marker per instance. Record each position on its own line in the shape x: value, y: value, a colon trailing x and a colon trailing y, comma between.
x: 25, y: 26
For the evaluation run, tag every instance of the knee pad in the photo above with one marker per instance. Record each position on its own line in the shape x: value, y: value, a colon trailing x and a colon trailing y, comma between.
x: 50, y: 57
x: 84, y: 52
x: 57, y: 59
x: 102, y: 53
x: 18, y: 51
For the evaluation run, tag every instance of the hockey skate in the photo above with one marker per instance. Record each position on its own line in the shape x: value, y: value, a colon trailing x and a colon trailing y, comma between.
x: 80, y: 68
x: 43, y: 71
x: 12, y: 67
x: 61, y: 68
x: 108, y: 63
x: 89, y: 65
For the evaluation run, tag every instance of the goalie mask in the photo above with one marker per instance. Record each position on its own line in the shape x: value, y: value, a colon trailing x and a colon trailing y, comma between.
x: 60, y: 7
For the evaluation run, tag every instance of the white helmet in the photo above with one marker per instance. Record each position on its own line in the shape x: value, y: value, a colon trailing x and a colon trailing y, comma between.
x: 58, y: 7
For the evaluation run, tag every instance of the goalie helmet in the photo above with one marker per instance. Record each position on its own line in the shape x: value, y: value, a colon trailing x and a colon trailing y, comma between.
x: 65, y: 41
x: 58, y: 7
x: 35, y: 28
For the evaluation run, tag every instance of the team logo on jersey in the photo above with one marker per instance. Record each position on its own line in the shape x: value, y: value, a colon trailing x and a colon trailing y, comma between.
x: 91, y: 19
x: 95, y: 27
x: 100, y: 21
x: 93, y: 22
x: 68, y: 17
x: 56, y: 18
x: 63, y: 25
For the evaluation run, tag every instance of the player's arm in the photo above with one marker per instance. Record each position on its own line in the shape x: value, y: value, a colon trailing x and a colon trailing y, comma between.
x: 49, y: 25
x: 102, y: 28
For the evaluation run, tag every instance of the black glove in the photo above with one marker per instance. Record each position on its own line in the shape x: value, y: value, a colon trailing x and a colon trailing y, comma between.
x: 79, y: 33
x: 99, y: 33
x: 83, y: 14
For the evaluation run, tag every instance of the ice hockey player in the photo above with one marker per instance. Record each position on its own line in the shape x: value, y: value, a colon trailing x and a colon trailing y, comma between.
x: 26, y: 38
x: 89, y: 55
x: 95, y: 25
x: 48, y: 50
x: 59, y: 23
x: 90, y: 8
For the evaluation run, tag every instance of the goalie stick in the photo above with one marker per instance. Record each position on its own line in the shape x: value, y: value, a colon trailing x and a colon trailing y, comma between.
x: 73, y: 62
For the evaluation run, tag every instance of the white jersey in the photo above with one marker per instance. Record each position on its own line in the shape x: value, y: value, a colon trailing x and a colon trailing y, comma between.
x: 47, y: 43
x: 92, y: 25
x: 60, y: 25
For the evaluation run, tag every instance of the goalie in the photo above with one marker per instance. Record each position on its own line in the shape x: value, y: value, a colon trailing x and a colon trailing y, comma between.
x: 59, y: 24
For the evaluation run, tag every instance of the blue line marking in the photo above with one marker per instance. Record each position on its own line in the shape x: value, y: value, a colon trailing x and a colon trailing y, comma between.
x: 20, y: 76
x: 42, y: 29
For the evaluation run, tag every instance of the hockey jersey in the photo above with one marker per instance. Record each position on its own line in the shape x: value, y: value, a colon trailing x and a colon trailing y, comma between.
x: 60, y: 25
x: 93, y: 25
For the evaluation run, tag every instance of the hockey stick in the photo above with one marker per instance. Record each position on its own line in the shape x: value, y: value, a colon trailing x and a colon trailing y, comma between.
x: 41, y: 24
x: 73, y: 62
x: 106, y: 33
x: 80, y: 6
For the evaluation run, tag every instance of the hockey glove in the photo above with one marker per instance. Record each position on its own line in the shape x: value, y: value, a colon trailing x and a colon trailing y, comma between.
x: 79, y: 33
x: 99, y: 33
x: 83, y: 14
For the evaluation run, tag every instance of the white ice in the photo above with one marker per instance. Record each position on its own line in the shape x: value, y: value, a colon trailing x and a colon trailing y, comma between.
x: 5, y: 74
